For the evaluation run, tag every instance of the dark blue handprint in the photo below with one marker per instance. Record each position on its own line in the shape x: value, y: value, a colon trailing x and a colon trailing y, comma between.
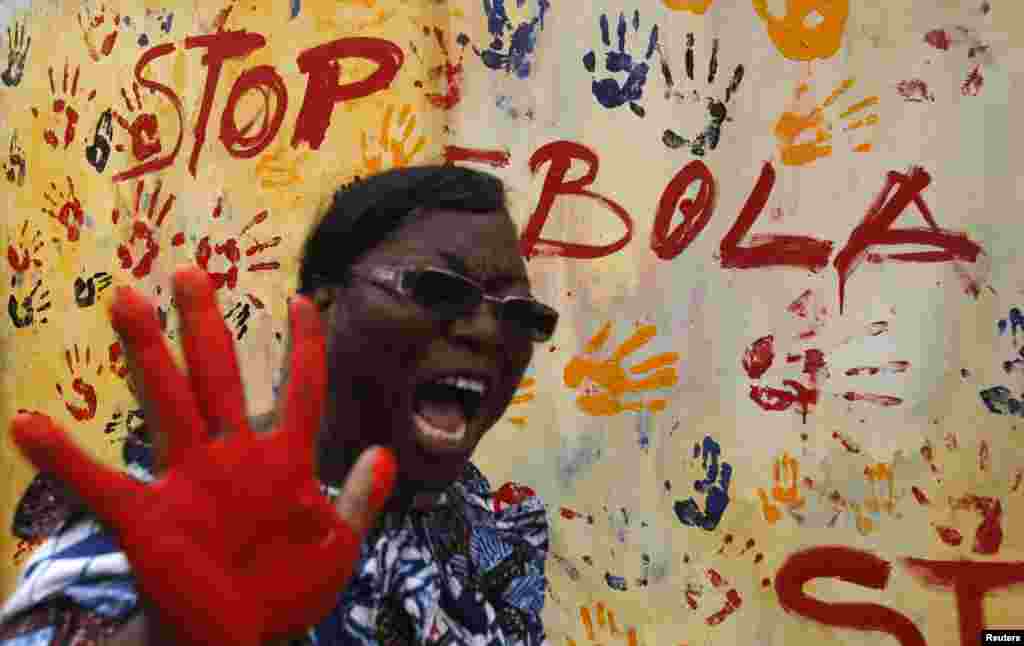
x: 717, y: 493
x: 512, y: 46
x: 608, y: 91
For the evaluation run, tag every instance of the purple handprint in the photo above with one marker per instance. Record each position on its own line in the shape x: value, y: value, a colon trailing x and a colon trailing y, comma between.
x: 608, y: 91
x: 512, y: 45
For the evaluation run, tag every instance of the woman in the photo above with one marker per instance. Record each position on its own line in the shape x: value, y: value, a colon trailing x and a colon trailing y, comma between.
x: 430, y: 326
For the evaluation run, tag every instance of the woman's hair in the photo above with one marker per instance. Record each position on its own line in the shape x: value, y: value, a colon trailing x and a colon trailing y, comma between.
x: 363, y: 214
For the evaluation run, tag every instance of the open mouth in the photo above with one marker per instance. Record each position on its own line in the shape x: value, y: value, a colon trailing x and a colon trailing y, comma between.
x: 443, y: 409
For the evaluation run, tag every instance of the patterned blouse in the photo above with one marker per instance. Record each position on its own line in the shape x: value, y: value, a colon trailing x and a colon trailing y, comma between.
x: 468, y: 569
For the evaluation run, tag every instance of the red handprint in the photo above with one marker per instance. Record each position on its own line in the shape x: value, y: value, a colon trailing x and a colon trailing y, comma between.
x: 232, y: 252
x: 84, y: 389
x: 21, y: 261
x: 731, y: 598
x: 90, y: 24
x: 62, y: 106
x: 144, y: 128
x: 760, y: 355
x: 68, y: 209
x: 144, y: 231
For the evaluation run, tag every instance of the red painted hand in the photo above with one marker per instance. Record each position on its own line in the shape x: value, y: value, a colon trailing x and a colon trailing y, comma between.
x: 233, y: 544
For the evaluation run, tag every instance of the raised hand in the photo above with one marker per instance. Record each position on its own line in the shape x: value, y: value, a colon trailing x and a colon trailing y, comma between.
x: 215, y: 542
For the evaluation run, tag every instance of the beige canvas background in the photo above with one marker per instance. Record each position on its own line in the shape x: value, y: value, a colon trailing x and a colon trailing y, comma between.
x: 844, y: 474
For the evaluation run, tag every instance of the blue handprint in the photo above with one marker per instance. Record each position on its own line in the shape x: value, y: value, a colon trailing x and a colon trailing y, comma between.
x: 512, y: 51
x: 608, y: 91
x: 688, y: 511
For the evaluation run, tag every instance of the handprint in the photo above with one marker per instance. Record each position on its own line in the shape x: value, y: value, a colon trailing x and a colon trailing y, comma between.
x: 280, y: 168
x: 513, y: 42
x: 91, y: 23
x: 66, y: 209
x: 796, y: 150
x: 714, y: 486
x: 28, y: 257
x: 62, y: 106
x: 522, y: 396
x: 810, y: 29
x: 606, y: 626
x: 86, y: 290
x: 23, y: 312
x: 447, y: 73
x: 17, y: 54
x: 715, y: 110
x: 607, y: 381
x: 232, y: 253
x: 398, y: 147
x: 786, y: 488
x: 84, y: 389
x: 143, y: 129
x: 119, y: 365
x: 731, y: 598
x: 143, y: 230
x: 131, y: 423
x: 804, y: 393
x: 988, y: 534
x: 97, y: 153
x: 999, y: 400
x: 238, y: 316
x: 15, y: 166
x: 608, y: 91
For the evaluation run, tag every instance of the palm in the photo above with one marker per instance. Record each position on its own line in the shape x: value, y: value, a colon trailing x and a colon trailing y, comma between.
x: 221, y: 544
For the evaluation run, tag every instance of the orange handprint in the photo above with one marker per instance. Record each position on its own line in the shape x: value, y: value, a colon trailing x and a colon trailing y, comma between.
x: 84, y: 389
x: 68, y: 209
x: 786, y: 490
x: 523, y: 395
x: 279, y: 168
x: 694, y: 6
x: 796, y: 151
x: 606, y: 626
x: 399, y: 147
x: 607, y: 381
x: 810, y: 29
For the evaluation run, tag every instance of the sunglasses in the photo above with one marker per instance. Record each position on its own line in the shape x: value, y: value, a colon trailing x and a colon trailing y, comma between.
x: 452, y: 296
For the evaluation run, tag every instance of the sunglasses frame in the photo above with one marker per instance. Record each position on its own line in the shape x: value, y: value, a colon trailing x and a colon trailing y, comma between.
x: 402, y: 279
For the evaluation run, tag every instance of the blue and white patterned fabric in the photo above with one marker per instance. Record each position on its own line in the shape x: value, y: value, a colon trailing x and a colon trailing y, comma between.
x: 467, y: 570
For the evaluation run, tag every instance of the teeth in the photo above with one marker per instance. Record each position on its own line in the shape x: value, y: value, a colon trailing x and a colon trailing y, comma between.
x: 463, y: 383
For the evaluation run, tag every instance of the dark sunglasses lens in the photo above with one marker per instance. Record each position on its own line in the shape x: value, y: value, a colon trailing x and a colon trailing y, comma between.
x: 537, y: 320
x: 446, y: 294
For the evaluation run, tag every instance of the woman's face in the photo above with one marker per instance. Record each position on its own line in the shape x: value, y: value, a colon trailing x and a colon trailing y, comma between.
x: 384, y: 349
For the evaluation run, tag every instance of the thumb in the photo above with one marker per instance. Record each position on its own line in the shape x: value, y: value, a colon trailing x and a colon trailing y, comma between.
x: 367, y: 488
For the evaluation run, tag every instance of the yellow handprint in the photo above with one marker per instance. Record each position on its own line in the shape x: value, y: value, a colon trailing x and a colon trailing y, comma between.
x: 810, y: 29
x: 875, y: 474
x: 791, y: 125
x: 605, y: 624
x: 696, y: 6
x: 522, y: 398
x: 401, y: 148
x: 612, y: 379
x: 785, y: 469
